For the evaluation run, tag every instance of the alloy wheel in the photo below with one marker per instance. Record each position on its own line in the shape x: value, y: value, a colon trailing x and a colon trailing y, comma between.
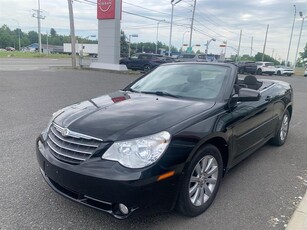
x: 203, y: 180
x: 284, y: 127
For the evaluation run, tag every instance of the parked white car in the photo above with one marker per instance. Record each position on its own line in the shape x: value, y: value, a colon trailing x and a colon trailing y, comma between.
x: 265, y: 67
x: 305, y: 74
x: 282, y: 70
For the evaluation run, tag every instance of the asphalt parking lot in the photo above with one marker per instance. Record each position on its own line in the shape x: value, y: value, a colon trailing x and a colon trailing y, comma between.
x: 260, y: 193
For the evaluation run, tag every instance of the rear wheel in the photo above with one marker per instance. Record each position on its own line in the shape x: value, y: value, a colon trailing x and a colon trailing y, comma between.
x: 201, y: 181
x: 147, y: 68
x: 278, y: 73
x: 259, y: 72
x: 283, y: 130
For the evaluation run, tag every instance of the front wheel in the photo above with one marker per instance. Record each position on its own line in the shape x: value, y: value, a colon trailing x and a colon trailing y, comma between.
x: 278, y: 73
x: 259, y: 72
x: 283, y: 129
x: 201, y: 181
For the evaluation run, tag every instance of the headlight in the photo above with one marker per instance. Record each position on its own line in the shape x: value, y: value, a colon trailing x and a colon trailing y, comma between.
x: 140, y: 152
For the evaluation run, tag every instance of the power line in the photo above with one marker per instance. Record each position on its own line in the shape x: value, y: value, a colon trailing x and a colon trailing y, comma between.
x: 151, y: 10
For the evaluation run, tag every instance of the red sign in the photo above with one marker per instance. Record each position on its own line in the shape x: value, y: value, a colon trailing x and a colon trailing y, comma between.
x: 105, y: 9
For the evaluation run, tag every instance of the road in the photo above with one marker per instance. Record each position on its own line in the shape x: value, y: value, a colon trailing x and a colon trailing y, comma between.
x: 260, y: 193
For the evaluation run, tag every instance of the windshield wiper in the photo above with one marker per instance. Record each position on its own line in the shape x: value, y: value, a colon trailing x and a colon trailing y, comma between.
x: 160, y: 93
x: 132, y: 90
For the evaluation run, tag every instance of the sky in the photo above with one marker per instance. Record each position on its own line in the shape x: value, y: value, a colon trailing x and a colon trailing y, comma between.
x: 221, y: 20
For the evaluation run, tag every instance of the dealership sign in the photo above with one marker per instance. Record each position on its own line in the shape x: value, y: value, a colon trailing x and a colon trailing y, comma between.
x: 105, y: 9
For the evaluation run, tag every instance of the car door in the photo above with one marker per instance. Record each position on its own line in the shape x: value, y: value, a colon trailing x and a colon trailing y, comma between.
x: 252, y: 125
x: 141, y: 61
x: 133, y: 60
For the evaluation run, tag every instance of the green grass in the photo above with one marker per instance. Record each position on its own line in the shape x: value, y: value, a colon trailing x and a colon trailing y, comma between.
x: 17, y: 54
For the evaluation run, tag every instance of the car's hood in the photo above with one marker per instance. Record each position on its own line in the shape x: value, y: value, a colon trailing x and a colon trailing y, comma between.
x: 122, y: 115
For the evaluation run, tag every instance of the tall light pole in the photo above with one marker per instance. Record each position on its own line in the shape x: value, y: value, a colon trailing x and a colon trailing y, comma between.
x: 299, y: 38
x: 72, y: 34
x: 252, y: 42
x: 183, y: 40
x: 183, y: 36
x: 171, y: 28
x: 134, y: 36
x: 286, y: 64
x: 207, y: 46
x: 192, y: 22
x: 157, y: 36
x: 239, y: 46
x: 266, y: 36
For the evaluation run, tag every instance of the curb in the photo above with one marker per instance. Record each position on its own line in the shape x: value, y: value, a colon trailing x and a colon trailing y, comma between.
x: 298, y: 220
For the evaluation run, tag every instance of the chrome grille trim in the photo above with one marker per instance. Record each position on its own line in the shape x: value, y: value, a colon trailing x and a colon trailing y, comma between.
x: 70, y: 141
x: 76, y: 135
x: 64, y: 155
x: 64, y: 147
x: 70, y: 147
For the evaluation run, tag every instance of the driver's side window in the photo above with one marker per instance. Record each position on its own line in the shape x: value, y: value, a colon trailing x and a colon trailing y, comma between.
x: 134, y: 56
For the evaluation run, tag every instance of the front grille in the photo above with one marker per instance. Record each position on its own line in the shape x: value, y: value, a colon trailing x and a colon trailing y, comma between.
x: 71, y: 147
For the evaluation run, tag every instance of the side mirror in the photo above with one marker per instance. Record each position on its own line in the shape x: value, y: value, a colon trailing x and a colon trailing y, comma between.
x: 246, y: 94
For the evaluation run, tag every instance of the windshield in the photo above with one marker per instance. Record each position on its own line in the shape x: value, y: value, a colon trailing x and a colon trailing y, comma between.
x: 269, y: 64
x: 189, y: 81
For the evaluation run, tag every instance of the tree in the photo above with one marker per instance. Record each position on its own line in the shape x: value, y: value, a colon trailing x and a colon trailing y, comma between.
x: 258, y: 57
x: 53, y: 32
x: 303, y: 55
x: 123, y: 45
x: 6, y: 39
x: 246, y: 57
x: 33, y: 37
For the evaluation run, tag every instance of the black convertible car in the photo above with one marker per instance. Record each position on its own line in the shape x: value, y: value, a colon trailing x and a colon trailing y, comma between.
x: 167, y: 138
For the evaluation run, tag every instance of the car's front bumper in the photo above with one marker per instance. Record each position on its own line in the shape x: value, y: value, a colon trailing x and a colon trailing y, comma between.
x: 104, y: 185
x: 287, y: 72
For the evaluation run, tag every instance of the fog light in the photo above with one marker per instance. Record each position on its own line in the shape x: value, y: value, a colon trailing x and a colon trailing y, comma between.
x: 123, y: 209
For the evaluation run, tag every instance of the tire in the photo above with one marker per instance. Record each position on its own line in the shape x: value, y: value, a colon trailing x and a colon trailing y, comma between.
x: 278, y: 73
x: 259, y: 72
x: 283, y: 130
x: 201, y: 182
x: 147, y: 68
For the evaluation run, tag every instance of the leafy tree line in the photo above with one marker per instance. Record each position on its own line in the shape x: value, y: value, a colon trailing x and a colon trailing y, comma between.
x: 9, y: 38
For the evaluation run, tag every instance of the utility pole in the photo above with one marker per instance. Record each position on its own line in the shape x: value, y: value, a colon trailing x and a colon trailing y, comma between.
x: 286, y: 64
x: 238, y: 53
x: 192, y: 24
x: 39, y: 18
x: 72, y: 35
x: 266, y: 36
